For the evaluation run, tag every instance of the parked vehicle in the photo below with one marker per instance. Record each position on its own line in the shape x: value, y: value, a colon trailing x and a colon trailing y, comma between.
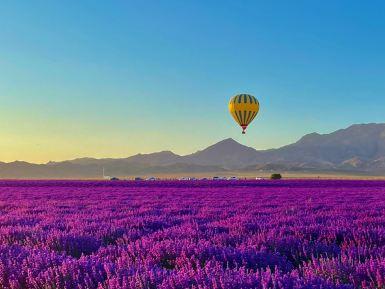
x: 219, y: 178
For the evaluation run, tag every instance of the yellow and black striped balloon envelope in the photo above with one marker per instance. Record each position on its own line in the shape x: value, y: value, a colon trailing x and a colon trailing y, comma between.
x: 244, y: 108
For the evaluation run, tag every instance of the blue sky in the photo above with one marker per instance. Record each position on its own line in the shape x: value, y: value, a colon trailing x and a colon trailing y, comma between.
x: 114, y: 78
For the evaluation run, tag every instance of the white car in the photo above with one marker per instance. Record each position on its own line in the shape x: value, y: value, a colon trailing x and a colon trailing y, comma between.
x: 258, y: 178
x: 151, y: 179
x: 216, y: 178
x: 233, y: 178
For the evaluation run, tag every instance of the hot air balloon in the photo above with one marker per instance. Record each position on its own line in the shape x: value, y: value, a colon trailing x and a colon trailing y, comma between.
x: 244, y: 108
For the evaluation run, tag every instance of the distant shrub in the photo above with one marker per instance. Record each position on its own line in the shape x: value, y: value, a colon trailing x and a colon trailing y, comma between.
x: 276, y: 176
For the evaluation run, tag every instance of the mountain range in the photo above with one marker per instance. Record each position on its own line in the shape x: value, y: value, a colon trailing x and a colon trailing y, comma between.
x: 359, y: 148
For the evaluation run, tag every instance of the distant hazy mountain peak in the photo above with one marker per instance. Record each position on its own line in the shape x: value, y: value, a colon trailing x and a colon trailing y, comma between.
x: 164, y: 153
x: 227, y: 153
x: 309, y: 137
x: 19, y: 162
x: 228, y: 145
x: 167, y: 152
x: 366, y: 127
x: 228, y: 140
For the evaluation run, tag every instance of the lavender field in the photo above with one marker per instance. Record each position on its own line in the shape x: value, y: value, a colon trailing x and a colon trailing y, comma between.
x: 245, y: 234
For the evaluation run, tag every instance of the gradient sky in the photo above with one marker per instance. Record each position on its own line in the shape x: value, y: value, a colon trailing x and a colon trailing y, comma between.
x: 114, y: 78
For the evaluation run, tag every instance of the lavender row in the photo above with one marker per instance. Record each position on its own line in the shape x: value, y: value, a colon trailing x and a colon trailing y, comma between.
x: 287, y: 234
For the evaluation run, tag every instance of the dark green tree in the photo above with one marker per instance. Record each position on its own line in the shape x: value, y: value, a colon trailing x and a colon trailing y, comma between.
x: 276, y: 176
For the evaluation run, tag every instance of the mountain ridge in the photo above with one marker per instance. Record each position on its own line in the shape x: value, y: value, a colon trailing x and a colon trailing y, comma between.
x: 358, y: 148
